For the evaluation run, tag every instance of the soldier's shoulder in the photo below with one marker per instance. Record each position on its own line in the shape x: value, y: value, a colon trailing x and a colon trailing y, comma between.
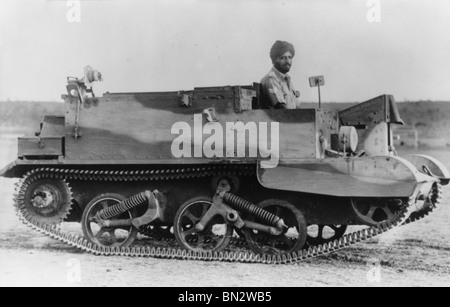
x: 269, y: 77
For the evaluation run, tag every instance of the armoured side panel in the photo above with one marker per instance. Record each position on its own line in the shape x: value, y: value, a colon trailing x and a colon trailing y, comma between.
x: 141, y: 128
x: 360, y: 177
x: 327, y: 125
x: 372, y: 119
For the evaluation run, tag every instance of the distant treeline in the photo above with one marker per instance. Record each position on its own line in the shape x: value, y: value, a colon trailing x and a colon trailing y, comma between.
x: 25, y: 116
x: 431, y: 118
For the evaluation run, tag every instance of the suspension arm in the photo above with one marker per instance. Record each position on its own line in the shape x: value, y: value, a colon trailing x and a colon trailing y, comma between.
x: 224, y: 204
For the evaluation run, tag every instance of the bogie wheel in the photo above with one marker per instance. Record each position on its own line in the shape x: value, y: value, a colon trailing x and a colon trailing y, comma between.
x: 122, y: 236
x: 373, y: 211
x: 320, y: 234
x: 214, y: 238
x: 47, y: 201
x: 290, y: 240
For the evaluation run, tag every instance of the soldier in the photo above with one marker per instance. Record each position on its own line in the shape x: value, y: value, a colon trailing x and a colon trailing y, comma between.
x: 277, y: 91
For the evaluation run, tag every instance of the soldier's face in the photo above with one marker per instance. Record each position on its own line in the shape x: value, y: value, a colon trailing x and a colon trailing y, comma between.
x: 284, y: 62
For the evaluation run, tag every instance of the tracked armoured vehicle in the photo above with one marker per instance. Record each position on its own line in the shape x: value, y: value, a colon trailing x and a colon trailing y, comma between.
x: 208, y: 174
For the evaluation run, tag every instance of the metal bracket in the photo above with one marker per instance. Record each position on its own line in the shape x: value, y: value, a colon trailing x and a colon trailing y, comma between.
x: 231, y: 216
x: 220, y: 208
x: 75, y: 86
x: 210, y: 114
x: 185, y: 99
x: 153, y: 212
x: 41, y: 143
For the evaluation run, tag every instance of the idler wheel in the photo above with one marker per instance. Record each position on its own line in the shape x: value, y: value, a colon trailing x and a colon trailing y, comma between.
x: 213, y: 238
x: 122, y: 236
x: 291, y: 240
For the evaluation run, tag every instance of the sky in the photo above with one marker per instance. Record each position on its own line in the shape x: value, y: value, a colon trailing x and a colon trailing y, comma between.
x: 363, y: 48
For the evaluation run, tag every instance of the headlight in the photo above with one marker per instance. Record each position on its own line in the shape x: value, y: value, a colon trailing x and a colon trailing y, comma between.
x: 348, y: 139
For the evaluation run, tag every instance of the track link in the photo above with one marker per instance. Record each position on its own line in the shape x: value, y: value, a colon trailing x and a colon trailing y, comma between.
x: 401, y: 218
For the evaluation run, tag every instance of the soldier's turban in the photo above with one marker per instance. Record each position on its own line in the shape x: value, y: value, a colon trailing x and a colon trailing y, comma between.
x: 279, y: 48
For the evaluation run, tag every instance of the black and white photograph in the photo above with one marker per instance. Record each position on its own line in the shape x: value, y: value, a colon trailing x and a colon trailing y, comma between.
x: 224, y: 150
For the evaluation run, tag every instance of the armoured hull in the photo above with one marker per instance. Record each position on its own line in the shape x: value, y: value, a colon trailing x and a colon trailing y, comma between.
x: 211, y: 165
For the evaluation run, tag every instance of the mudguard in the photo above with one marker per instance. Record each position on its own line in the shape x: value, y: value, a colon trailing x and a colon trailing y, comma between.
x: 10, y: 170
x: 19, y: 167
x: 379, y: 176
x: 437, y: 169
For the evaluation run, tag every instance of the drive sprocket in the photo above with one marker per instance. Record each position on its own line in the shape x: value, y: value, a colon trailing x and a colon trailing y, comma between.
x: 45, y: 200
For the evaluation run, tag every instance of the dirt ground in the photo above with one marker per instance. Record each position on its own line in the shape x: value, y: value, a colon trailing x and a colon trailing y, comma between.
x: 412, y: 255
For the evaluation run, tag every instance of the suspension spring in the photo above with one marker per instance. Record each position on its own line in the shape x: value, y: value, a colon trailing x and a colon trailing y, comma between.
x: 245, y: 206
x: 123, y: 206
